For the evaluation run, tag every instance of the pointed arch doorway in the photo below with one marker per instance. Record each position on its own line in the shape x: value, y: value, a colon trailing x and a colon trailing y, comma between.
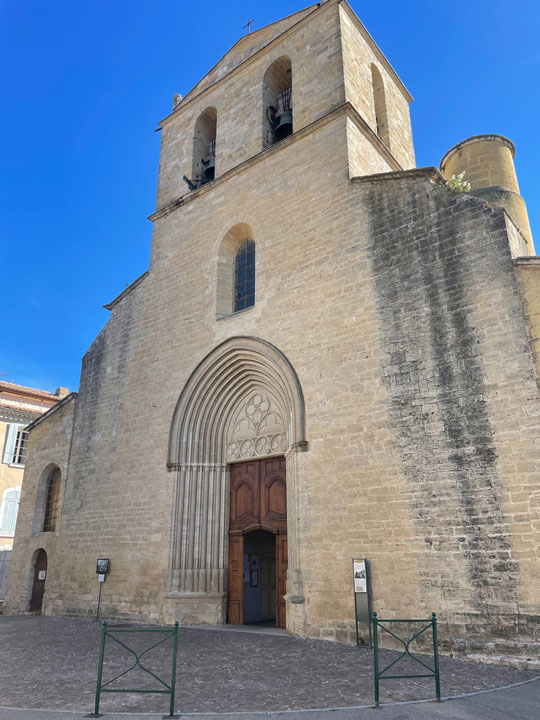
x: 258, y: 555
x: 242, y: 405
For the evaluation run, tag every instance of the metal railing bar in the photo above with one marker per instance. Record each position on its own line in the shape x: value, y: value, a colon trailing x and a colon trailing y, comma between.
x: 112, y: 628
x: 422, y: 620
x: 130, y: 690
x: 397, y: 677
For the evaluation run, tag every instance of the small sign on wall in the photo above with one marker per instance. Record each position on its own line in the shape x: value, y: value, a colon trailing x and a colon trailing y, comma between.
x: 101, y: 577
x: 42, y: 574
x: 103, y: 566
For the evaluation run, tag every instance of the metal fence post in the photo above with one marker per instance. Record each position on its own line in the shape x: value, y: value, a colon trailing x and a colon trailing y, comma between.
x: 100, y: 667
x: 173, y: 678
x: 436, y: 658
x: 376, y: 659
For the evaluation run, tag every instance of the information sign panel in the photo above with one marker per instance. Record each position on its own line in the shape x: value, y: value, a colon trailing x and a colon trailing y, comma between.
x: 360, y: 578
x: 361, y: 596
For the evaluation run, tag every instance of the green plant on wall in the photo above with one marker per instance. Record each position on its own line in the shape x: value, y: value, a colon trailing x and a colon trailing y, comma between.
x: 458, y: 184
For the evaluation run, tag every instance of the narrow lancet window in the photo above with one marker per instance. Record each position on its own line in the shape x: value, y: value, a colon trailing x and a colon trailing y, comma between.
x: 244, y: 276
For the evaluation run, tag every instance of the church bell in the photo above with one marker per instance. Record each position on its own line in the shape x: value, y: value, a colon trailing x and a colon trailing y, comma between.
x: 284, y: 125
x: 210, y: 170
x: 282, y: 117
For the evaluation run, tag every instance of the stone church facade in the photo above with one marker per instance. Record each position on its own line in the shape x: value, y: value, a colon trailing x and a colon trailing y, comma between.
x: 332, y: 355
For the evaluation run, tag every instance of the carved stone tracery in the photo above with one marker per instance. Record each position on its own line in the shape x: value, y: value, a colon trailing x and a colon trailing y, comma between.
x: 257, y: 429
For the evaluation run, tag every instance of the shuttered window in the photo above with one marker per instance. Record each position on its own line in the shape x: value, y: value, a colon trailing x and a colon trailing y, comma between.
x: 15, y: 446
x: 10, y: 508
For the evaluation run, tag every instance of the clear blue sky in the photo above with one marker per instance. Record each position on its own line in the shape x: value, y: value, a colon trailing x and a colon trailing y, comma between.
x: 85, y: 82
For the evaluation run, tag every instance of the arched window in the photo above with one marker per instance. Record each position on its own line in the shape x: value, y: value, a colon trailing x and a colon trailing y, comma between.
x: 235, y: 278
x: 381, y: 117
x: 277, y: 102
x: 52, y: 501
x: 204, y: 148
x: 244, y: 276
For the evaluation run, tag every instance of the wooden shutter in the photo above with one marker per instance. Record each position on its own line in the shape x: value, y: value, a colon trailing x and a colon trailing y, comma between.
x: 9, y: 447
x: 11, y: 508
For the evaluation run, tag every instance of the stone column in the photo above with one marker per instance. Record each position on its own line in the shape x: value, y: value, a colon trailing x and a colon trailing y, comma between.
x: 197, y: 580
x: 296, y: 618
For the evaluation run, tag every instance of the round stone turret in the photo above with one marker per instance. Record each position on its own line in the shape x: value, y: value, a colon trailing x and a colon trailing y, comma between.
x: 488, y: 164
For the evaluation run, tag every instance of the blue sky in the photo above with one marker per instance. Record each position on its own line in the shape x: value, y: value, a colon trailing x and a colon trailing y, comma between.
x: 85, y: 83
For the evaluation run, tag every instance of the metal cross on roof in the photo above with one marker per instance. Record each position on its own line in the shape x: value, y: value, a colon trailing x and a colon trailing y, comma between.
x: 248, y: 25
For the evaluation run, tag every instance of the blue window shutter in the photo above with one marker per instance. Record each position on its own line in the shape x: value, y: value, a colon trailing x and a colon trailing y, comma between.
x: 9, y: 447
x: 11, y: 508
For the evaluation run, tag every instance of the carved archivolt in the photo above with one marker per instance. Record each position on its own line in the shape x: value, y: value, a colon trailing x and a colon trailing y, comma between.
x: 243, y: 400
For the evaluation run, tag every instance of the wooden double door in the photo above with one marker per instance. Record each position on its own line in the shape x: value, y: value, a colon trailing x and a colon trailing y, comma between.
x: 258, y: 502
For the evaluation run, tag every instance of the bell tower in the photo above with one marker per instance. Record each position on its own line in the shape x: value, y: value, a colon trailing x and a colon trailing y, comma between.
x: 279, y: 84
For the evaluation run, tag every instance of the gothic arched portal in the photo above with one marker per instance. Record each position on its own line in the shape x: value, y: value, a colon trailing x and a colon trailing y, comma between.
x: 242, y: 401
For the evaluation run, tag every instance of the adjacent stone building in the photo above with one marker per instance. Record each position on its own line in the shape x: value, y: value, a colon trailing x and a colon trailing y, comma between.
x: 332, y: 355
x: 19, y: 406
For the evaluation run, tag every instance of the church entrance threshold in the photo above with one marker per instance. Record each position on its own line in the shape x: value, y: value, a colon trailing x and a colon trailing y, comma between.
x: 257, y: 543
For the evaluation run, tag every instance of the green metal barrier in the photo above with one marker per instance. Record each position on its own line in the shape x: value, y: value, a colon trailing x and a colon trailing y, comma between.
x: 102, y: 687
x: 380, y: 675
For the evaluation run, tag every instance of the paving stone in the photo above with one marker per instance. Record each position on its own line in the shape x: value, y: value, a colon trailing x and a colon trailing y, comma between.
x: 52, y: 663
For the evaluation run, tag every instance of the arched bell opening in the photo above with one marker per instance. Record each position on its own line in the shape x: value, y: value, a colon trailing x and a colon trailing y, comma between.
x: 277, y: 102
x: 204, y: 148
x: 379, y: 100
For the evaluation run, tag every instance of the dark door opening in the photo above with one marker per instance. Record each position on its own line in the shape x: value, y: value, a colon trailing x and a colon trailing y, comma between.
x: 258, y: 543
x: 259, y: 578
x: 38, y: 587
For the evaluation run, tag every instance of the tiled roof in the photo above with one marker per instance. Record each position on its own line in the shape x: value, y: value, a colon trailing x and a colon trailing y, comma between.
x: 22, y: 390
x: 10, y: 406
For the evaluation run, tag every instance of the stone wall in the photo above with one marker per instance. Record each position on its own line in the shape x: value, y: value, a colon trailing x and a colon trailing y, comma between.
x: 48, y: 445
x: 527, y: 274
x: 359, y: 53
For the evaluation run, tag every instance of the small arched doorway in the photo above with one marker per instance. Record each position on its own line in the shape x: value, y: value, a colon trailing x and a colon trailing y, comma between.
x: 38, y: 585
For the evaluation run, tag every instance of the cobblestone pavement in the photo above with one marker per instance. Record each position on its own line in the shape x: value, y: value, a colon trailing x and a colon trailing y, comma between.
x: 52, y: 663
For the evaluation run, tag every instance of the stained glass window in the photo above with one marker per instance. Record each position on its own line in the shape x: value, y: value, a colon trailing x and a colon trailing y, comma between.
x: 244, y: 276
